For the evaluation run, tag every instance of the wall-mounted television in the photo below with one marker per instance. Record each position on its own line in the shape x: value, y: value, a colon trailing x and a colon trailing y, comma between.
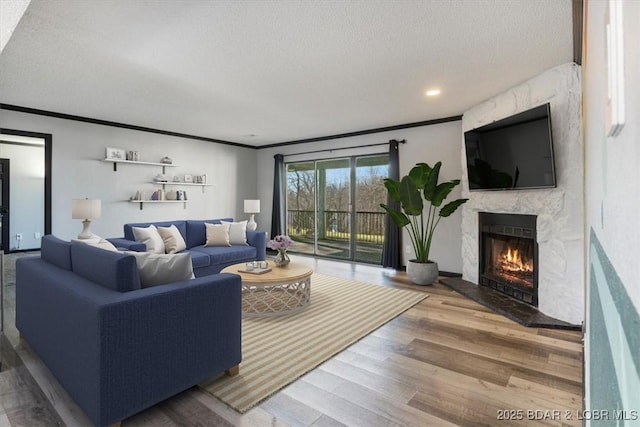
x: 513, y: 153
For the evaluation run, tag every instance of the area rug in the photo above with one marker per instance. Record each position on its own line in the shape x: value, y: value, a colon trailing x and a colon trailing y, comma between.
x: 278, y: 350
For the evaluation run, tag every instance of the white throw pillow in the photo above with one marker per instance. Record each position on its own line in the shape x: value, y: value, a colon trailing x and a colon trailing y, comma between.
x: 237, y: 232
x: 100, y: 243
x: 173, y: 240
x: 150, y: 237
x: 158, y: 269
x: 217, y: 234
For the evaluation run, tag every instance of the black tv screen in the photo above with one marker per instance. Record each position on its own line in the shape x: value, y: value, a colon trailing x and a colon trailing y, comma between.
x: 513, y: 153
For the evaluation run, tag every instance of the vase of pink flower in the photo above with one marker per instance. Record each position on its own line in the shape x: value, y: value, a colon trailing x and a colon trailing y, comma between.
x: 280, y: 243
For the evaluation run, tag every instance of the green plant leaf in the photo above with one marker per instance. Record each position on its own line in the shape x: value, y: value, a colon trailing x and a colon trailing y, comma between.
x: 414, y: 190
x: 419, y: 174
x: 410, y: 197
x: 393, y: 187
x: 432, y: 182
x: 398, y: 218
x: 442, y: 191
x: 451, y: 207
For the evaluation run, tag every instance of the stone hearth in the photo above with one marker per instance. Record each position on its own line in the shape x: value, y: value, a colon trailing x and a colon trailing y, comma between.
x: 510, y: 308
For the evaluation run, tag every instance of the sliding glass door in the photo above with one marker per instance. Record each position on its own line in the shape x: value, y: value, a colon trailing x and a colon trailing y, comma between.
x: 369, y: 192
x: 333, y: 207
x: 301, y: 206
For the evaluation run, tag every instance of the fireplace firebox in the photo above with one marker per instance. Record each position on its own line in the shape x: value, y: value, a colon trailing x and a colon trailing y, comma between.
x: 509, y: 255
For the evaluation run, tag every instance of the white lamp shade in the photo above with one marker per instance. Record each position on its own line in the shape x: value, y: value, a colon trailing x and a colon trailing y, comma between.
x: 252, y: 206
x: 85, y: 209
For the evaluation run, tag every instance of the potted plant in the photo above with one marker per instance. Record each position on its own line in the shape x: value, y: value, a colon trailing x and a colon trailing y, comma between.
x: 411, y: 192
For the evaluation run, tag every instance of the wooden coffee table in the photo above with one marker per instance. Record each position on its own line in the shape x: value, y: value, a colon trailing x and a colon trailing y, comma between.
x: 283, y: 290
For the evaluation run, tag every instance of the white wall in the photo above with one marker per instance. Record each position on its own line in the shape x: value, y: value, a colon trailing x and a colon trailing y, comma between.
x: 77, y: 172
x: 559, y: 210
x: 424, y: 144
x: 612, y: 347
x: 613, y: 164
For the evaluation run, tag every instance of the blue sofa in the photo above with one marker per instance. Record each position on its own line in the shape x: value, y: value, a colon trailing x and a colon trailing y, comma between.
x: 206, y: 259
x: 118, y: 348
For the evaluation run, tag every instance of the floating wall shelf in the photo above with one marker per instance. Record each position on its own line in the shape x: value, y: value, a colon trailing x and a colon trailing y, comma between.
x: 133, y: 162
x: 182, y: 184
x: 142, y: 202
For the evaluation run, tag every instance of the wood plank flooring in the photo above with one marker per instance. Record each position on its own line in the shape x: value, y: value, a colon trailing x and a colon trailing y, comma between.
x: 446, y: 361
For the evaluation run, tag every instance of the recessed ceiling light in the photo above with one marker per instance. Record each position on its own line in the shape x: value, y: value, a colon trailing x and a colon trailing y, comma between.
x: 433, y: 92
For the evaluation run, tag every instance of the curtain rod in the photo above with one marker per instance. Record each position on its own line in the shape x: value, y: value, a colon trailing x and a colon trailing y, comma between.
x: 346, y: 148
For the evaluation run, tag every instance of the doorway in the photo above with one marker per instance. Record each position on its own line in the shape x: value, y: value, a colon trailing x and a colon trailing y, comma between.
x: 25, y: 189
x: 4, y: 204
x: 333, y: 207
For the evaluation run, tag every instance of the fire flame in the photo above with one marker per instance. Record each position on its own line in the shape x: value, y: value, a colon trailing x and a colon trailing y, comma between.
x: 512, y: 261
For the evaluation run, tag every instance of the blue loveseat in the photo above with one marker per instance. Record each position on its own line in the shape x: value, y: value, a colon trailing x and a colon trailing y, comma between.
x: 206, y: 259
x: 118, y: 348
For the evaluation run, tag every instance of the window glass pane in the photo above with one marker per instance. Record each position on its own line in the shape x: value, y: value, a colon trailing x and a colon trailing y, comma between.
x: 369, y: 216
x: 334, y: 208
x: 300, y: 202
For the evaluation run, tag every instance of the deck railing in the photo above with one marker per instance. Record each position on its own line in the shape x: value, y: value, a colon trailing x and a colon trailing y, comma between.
x: 334, y: 225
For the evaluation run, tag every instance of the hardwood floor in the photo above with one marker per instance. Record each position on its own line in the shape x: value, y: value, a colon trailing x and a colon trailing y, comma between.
x: 446, y: 361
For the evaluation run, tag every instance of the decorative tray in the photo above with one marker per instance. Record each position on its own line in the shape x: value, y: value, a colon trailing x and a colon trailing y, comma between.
x: 255, y: 271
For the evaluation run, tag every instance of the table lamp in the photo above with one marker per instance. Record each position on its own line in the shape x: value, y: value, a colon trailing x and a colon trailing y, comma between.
x: 86, y: 210
x: 252, y: 207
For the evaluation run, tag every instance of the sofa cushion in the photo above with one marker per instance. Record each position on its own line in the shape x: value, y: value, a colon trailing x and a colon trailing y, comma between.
x: 101, y: 243
x: 173, y: 240
x: 158, y: 269
x: 56, y: 251
x: 113, y: 270
x: 128, y: 228
x: 200, y: 259
x: 217, y: 234
x: 150, y: 237
x: 227, y: 254
x: 196, y: 233
x: 237, y: 232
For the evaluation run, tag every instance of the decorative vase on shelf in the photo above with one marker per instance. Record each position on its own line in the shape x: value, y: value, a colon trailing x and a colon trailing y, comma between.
x: 281, y: 259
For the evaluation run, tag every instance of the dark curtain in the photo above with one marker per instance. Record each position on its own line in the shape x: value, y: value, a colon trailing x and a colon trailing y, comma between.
x: 392, y: 248
x: 277, y: 214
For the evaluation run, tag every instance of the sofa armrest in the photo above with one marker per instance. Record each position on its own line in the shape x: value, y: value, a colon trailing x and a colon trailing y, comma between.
x: 126, y: 244
x: 258, y: 240
x: 119, y: 353
x: 176, y: 336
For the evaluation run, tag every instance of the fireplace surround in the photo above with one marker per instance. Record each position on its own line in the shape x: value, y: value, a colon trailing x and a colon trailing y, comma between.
x: 508, y: 261
x: 559, y: 211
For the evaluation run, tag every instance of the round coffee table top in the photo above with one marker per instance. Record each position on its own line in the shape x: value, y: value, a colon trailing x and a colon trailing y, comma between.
x: 292, y: 272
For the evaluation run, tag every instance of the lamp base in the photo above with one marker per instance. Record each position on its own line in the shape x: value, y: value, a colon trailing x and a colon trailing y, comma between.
x: 86, y: 233
x: 251, y: 224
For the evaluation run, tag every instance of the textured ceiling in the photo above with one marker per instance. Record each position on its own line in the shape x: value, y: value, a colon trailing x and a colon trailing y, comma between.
x: 278, y: 70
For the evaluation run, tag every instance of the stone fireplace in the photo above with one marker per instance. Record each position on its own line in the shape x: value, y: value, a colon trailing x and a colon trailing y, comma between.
x: 509, y: 255
x: 557, y: 215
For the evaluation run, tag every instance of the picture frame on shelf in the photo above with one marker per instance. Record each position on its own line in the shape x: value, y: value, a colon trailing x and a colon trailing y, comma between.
x: 188, y: 178
x: 112, y: 153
